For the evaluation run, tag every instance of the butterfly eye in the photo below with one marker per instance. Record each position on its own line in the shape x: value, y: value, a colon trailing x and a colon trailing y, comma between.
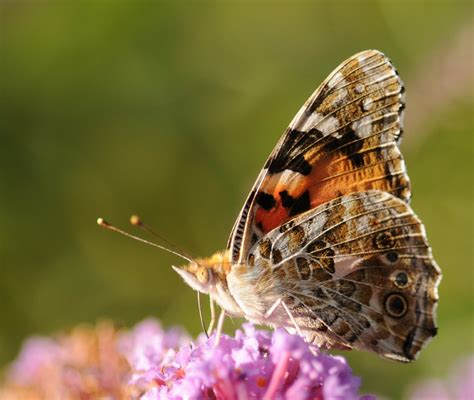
x: 396, y: 305
x: 202, y: 275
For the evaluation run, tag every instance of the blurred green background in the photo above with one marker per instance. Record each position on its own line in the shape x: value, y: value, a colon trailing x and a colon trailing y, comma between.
x: 169, y: 110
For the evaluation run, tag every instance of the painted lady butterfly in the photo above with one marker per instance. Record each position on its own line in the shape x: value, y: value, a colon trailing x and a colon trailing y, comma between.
x: 326, y: 243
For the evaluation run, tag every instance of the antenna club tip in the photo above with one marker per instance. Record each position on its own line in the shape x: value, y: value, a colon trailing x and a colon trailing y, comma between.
x: 135, y: 220
x: 102, y: 222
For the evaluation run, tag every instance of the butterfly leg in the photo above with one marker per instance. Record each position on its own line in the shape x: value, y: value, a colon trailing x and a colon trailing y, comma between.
x: 292, y: 318
x: 200, y: 313
x: 213, y: 316
x: 270, y: 311
x: 275, y: 305
x: 220, y: 324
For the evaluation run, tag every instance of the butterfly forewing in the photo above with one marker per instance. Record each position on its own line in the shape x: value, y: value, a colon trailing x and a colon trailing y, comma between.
x: 355, y: 272
x: 343, y: 140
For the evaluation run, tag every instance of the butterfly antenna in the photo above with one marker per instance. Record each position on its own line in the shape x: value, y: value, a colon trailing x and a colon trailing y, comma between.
x: 137, y: 221
x: 103, y: 223
x: 203, y: 326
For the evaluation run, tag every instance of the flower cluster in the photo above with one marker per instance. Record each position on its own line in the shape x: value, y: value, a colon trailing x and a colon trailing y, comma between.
x: 83, y: 364
x: 253, y: 365
x: 152, y: 364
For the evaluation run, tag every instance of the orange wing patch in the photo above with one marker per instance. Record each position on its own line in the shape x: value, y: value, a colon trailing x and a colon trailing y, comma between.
x: 338, y: 167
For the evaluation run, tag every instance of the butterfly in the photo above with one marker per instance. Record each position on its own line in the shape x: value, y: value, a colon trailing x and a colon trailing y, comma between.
x: 326, y: 244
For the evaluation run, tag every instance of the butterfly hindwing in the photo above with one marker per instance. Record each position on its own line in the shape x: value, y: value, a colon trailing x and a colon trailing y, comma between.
x: 343, y: 140
x: 356, y: 272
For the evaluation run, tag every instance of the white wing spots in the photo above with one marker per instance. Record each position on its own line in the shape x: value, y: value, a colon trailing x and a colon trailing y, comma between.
x: 311, y: 121
x: 329, y: 125
x: 359, y: 88
x: 389, y: 93
x: 339, y: 96
x: 368, y: 104
x: 363, y: 127
x: 318, y: 221
x: 380, y: 78
x: 337, y: 80
x: 361, y: 59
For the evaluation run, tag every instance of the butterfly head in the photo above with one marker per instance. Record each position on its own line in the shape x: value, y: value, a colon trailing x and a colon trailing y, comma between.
x: 206, y: 274
x: 199, y: 277
x: 209, y: 276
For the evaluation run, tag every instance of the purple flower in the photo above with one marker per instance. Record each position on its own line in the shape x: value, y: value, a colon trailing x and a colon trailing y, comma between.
x: 37, y: 354
x: 149, y: 363
x: 147, y: 347
x: 253, y: 365
x: 83, y: 363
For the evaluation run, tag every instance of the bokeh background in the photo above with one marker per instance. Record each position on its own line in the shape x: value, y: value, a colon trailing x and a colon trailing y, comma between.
x: 169, y: 110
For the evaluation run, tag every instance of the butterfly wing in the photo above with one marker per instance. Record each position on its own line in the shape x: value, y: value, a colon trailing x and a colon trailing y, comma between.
x: 356, y: 272
x: 343, y: 140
